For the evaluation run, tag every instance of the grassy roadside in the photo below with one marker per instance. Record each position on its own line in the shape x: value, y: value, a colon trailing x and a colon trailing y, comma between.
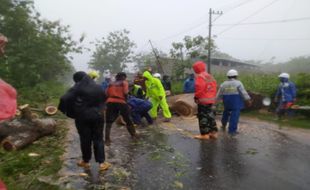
x: 298, y: 121
x: 20, y: 171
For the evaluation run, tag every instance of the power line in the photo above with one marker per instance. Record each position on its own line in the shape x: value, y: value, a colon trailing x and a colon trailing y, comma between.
x: 253, y: 14
x: 271, y: 39
x: 184, y: 31
x: 237, y: 6
x: 268, y: 22
x: 202, y: 23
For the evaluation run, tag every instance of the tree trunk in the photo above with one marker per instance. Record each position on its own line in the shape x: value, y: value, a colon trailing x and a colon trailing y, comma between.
x: 19, y: 140
x: 183, y: 104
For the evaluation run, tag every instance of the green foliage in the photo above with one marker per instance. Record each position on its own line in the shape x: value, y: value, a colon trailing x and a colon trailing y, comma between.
x: 295, y: 65
x: 113, y: 52
x: 37, y: 48
x: 192, y: 48
x: 20, y: 171
x: 265, y: 84
x: 177, y: 87
x: 46, y: 93
x: 302, y: 81
x: 144, y: 60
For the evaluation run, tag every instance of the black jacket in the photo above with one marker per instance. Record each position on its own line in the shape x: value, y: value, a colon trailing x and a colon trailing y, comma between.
x: 84, y: 101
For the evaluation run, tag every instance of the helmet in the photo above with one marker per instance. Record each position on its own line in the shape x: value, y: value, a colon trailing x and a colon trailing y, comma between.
x: 157, y: 75
x: 232, y: 73
x: 284, y: 75
x: 94, y: 74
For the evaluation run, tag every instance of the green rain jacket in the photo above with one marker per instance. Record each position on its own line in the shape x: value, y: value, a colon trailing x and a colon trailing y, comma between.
x: 154, y: 87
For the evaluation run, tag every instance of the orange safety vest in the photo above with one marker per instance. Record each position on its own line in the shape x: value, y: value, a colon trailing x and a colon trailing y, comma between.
x: 209, y: 88
x: 117, y: 92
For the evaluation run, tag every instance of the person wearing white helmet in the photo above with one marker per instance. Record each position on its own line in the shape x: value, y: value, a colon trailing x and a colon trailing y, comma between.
x: 285, y: 95
x: 157, y: 75
x: 233, y: 94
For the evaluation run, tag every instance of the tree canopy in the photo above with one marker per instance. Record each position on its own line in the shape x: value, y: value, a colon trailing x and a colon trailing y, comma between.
x: 37, y: 48
x: 113, y: 52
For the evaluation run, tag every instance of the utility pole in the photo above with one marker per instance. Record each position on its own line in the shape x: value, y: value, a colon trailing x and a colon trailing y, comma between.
x: 160, y: 68
x: 211, y: 12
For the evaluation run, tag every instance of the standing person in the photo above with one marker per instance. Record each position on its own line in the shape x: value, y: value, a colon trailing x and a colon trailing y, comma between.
x: 84, y: 102
x: 8, y: 93
x: 205, y: 96
x: 139, y: 80
x: 117, y: 93
x: 155, y: 91
x: 106, y: 82
x: 138, y: 109
x: 166, y: 82
x: 189, y: 84
x: 233, y: 95
x: 285, y: 95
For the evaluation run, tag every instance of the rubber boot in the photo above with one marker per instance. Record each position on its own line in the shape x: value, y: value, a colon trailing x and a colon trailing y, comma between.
x: 213, y: 135
x: 132, y: 131
x: 202, y: 137
x: 107, y: 134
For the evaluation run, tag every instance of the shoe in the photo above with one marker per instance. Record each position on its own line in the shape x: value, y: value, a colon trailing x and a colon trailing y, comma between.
x: 83, y: 164
x: 234, y: 133
x: 104, y: 166
x: 135, y: 136
x: 213, y: 135
x: 107, y: 142
x: 202, y: 137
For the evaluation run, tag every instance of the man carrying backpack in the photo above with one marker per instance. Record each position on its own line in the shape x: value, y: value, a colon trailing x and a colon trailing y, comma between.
x: 83, y: 102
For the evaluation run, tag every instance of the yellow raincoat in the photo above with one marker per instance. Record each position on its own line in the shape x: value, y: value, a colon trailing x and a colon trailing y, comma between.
x: 156, y: 92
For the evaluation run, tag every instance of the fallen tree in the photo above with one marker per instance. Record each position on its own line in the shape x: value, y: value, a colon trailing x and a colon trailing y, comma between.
x: 183, y: 105
x: 20, y: 132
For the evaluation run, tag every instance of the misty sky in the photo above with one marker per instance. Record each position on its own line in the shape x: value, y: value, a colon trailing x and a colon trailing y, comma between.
x: 166, y: 21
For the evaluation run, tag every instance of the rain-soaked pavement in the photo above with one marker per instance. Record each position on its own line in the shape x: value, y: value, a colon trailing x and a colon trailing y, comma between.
x: 261, y: 156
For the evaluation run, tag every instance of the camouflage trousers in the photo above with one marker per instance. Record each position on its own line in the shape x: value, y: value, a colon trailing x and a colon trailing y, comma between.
x: 206, y: 119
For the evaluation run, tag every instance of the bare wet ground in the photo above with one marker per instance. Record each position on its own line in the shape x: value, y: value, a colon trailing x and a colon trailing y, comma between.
x: 262, y: 156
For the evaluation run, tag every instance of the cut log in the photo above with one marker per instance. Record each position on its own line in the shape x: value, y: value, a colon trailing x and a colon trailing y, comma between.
x: 257, y: 100
x: 50, y: 110
x: 19, y: 140
x: 183, y: 104
x: 19, y: 133
x: 26, y: 112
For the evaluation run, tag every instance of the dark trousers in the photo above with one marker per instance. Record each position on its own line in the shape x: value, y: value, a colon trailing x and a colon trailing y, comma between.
x: 231, y: 115
x: 113, y: 111
x: 206, y: 119
x: 91, y: 133
x: 137, y: 116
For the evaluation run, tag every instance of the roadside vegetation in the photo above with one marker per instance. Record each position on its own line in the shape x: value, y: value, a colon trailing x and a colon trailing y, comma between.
x: 23, y: 169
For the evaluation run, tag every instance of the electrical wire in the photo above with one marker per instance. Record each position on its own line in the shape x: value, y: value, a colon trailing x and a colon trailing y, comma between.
x: 269, y: 39
x: 204, y: 22
x: 253, y: 14
x: 268, y: 22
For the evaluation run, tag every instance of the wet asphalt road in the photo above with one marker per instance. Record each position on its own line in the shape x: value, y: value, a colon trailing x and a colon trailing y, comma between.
x: 261, y: 156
